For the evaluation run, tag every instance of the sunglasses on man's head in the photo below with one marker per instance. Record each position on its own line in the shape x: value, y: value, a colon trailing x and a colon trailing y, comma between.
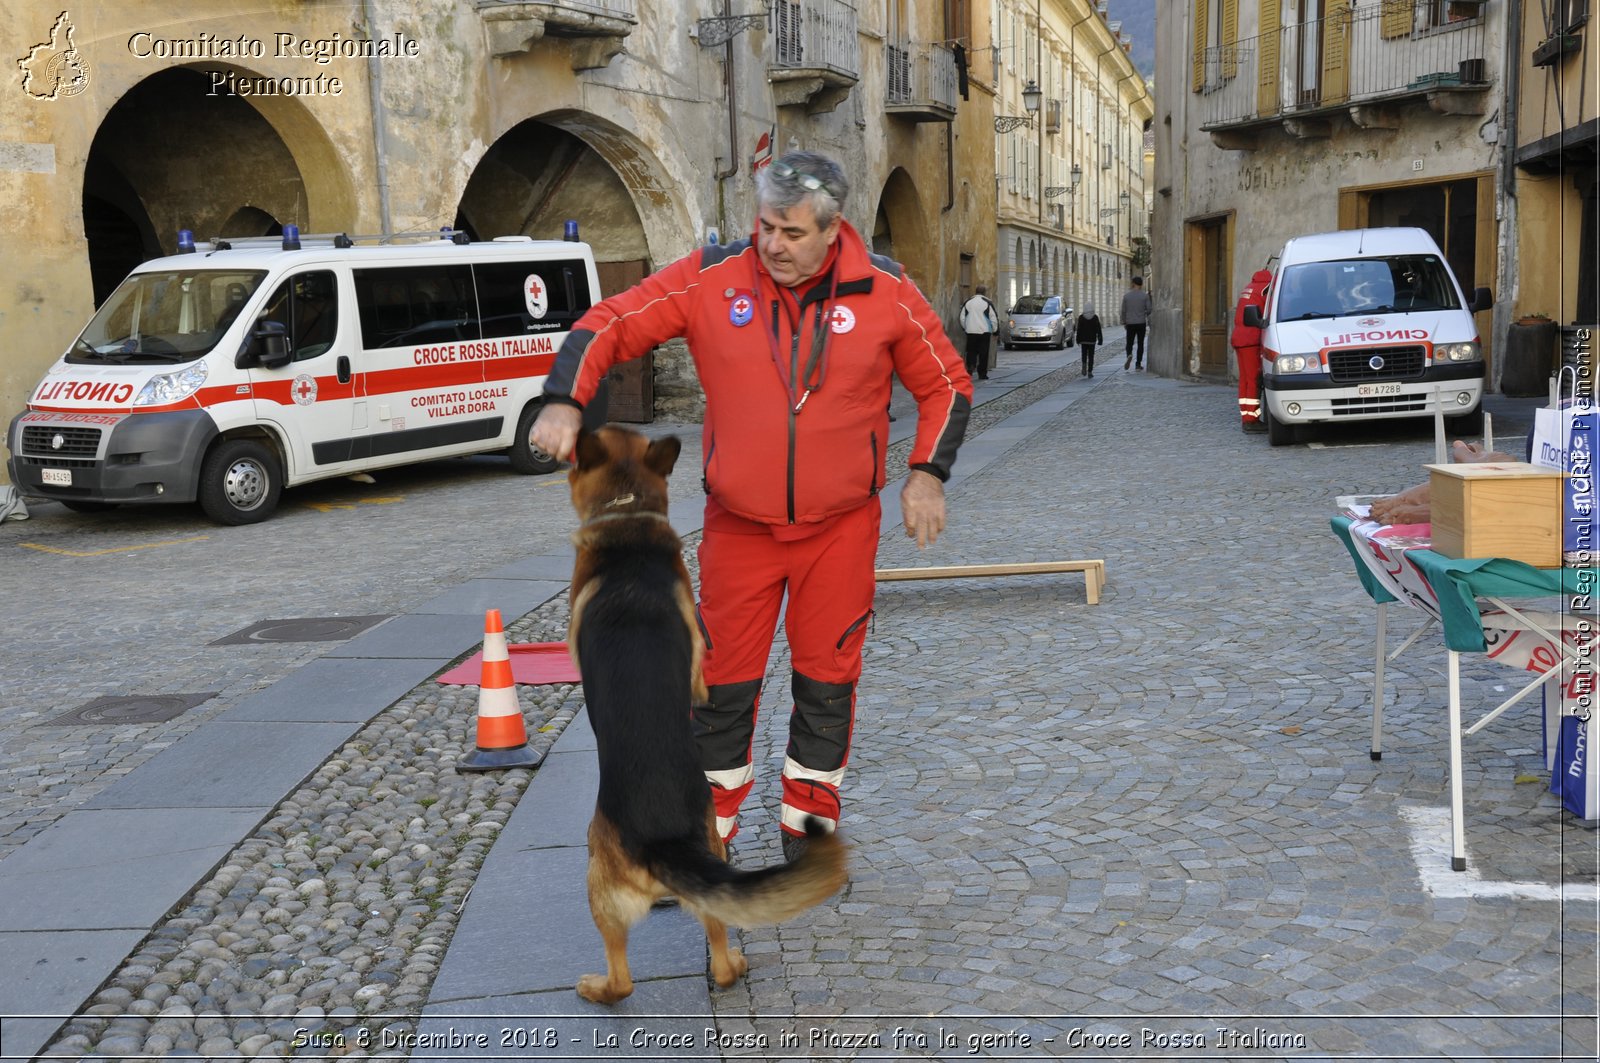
x: 810, y: 182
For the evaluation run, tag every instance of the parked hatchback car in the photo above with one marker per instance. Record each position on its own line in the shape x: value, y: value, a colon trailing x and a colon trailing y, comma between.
x: 1039, y: 320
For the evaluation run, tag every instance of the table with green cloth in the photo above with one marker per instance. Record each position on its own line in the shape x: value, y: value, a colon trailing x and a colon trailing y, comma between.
x: 1471, y: 599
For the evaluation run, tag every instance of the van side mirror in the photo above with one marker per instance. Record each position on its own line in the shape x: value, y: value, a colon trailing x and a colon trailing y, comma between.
x: 268, y: 346
x: 1482, y: 299
x: 1252, y: 316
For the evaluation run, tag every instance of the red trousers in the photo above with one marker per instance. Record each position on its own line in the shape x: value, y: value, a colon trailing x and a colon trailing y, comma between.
x: 1249, y: 383
x: 746, y: 569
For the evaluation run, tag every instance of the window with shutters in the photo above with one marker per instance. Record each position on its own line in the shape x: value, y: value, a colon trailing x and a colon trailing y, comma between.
x: 1216, y: 42
x: 787, y: 47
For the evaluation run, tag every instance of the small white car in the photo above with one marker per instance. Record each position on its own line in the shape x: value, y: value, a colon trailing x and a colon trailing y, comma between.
x: 1039, y: 320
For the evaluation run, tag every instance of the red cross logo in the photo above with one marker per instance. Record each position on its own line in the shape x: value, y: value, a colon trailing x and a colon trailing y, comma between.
x: 304, y: 389
x: 842, y: 319
x: 535, y: 288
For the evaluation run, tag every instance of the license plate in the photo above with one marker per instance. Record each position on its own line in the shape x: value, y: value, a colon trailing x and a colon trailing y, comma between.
x: 1377, y: 389
x: 59, y: 477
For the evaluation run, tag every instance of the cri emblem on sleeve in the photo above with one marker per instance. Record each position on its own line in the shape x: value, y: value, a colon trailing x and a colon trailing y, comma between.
x: 741, y: 310
x: 843, y: 319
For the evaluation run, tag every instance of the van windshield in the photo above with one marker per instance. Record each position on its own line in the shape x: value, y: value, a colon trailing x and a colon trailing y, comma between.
x: 1402, y: 284
x: 167, y: 317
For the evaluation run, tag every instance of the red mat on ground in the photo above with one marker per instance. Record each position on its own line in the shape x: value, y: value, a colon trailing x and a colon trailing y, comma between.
x: 532, y: 663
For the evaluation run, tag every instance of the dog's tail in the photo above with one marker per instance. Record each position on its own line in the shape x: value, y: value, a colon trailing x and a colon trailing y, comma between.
x: 752, y: 898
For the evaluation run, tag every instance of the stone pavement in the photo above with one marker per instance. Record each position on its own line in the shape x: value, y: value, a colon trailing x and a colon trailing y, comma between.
x: 1124, y: 827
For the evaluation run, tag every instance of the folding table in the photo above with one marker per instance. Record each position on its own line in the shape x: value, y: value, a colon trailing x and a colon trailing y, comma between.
x: 1449, y: 590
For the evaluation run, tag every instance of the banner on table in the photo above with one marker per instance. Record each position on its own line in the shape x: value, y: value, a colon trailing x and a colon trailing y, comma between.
x: 1565, y: 439
x: 1576, y: 778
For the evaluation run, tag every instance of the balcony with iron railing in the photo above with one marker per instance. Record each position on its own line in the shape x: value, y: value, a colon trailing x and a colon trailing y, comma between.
x: 1364, y: 62
x: 920, y: 82
x: 813, y: 59
x: 596, y: 28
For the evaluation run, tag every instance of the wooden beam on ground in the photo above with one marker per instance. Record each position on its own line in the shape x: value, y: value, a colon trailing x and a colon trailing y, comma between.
x: 1094, y: 573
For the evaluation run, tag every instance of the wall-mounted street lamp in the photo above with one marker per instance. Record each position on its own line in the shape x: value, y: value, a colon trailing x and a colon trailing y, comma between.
x: 1066, y: 190
x: 1031, y: 95
x: 719, y: 30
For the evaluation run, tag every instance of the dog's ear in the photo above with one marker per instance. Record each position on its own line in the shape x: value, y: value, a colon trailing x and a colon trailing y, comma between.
x: 590, y: 451
x: 662, y: 454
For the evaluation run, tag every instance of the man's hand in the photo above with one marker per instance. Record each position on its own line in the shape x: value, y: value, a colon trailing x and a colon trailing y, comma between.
x: 1471, y: 453
x: 556, y: 430
x: 922, y: 507
x: 1408, y: 507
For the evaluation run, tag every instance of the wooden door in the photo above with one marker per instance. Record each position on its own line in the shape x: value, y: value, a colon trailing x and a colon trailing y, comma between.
x: 631, y: 384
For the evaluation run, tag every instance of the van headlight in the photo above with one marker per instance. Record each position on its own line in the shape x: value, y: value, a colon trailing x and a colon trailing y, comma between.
x: 1457, y: 352
x: 1298, y: 363
x: 172, y: 387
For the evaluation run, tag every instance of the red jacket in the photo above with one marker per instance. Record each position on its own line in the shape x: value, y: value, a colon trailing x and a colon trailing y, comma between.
x: 797, y: 421
x: 1254, y: 294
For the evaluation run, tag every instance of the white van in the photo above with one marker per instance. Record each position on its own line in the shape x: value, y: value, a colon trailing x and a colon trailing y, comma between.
x: 232, y: 370
x: 1367, y: 324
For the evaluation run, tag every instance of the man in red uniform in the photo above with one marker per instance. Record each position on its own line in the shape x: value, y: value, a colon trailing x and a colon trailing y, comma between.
x: 797, y: 334
x: 1246, y: 342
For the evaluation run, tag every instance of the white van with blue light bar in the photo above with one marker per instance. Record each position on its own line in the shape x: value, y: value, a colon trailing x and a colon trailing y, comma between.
x: 234, y: 369
x: 1367, y: 324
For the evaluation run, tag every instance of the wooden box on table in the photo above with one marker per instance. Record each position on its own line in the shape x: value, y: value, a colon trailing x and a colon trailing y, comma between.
x: 1497, y: 509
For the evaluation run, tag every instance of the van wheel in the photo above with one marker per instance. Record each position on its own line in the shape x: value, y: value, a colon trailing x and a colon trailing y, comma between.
x: 1468, y: 424
x: 526, y: 458
x: 80, y: 506
x: 240, y: 482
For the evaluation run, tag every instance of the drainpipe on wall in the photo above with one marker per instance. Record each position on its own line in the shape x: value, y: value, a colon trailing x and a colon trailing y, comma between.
x: 730, y: 91
x: 380, y: 125
x: 1512, y: 81
x: 949, y: 167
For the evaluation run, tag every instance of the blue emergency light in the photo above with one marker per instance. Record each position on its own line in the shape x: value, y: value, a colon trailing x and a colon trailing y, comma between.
x: 571, y: 230
x: 185, y: 241
x: 291, y: 237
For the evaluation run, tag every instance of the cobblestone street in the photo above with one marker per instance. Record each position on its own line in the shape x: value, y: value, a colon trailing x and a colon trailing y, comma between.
x: 1155, y: 818
x: 1147, y: 828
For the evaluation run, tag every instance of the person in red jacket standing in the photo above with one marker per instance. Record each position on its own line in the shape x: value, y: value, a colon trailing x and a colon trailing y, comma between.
x: 1246, y: 343
x: 797, y: 334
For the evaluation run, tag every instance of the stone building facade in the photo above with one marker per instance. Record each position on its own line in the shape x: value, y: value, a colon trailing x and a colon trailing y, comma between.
x: 642, y: 122
x: 1276, y: 119
x: 1070, y: 177
x: 1552, y: 186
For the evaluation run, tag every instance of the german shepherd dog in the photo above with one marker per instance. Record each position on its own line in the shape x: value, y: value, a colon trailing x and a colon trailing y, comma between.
x: 638, y: 647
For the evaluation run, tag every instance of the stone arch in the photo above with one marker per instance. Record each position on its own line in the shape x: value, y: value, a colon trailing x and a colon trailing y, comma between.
x: 899, y: 214
x: 570, y: 165
x: 167, y: 156
x: 251, y: 221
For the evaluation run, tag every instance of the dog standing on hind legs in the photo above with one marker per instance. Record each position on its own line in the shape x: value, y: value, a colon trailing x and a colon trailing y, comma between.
x: 634, y: 636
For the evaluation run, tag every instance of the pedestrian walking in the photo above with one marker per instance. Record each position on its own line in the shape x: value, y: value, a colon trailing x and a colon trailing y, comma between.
x: 1136, y: 308
x: 1089, y: 335
x: 979, y: 320
x: 797, y: 333
x: 1246, y: 343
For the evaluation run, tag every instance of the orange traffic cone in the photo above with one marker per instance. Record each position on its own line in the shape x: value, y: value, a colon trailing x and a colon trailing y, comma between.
x: 502, y: 736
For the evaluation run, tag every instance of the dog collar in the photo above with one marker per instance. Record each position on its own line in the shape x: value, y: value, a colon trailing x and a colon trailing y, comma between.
x: 603, y: 517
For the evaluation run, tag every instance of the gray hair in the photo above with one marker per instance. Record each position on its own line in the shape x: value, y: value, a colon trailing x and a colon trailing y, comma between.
x: 782, y: 184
